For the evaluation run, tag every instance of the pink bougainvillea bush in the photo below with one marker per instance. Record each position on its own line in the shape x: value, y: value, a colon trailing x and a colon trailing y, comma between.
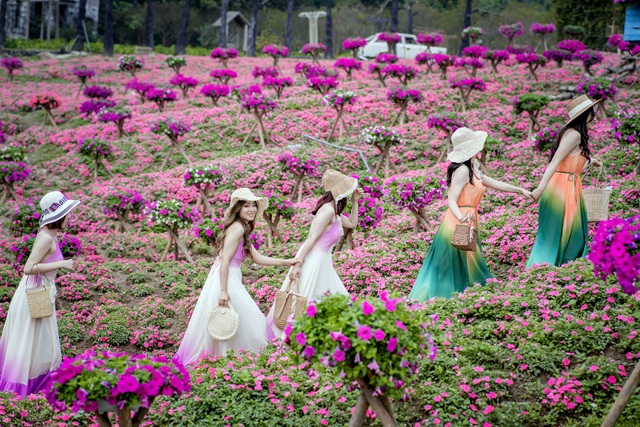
x: 543, y: 346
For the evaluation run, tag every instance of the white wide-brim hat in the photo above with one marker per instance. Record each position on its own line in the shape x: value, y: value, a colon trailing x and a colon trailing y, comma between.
x: 578, y: 106
x: 245, y: 195
x: 55, y: 206
x: 339, y: 184
x: 466, y: 144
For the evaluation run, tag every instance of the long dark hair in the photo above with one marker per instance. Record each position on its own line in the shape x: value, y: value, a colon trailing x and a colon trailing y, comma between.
x: 328, y: 198
x: 248, y: 229
x: 579, y: 125
x: 454, y: 167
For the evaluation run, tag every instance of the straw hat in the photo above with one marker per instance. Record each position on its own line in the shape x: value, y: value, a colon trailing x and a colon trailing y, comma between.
x: 466, y: 144
x: 245, y: 195
x: 338, y: 184
x: 579, y: 105
x: 55, y: 206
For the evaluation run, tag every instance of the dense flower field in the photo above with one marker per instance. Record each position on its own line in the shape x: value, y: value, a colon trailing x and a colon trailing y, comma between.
x: 550, y: 346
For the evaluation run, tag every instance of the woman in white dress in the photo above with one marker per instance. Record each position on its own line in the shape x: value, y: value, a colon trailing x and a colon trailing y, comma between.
x: 224, y: 285
x: 30, y: 348
x: 315, y: 273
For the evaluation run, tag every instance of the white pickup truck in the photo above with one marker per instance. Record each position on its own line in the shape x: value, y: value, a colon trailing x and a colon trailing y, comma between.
x: 407, y: 48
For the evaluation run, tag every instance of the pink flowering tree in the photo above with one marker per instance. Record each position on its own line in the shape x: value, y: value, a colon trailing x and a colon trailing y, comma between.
x: 47, y: 102
x: 83, y: 73
x: 12, y: 172
x: 465, y: 87
x: 448, y: 123
x: 175, y: 217
x: 264, y: 72
x: 223, y: 55
x: 391, y: 39
x: 175, y: 63
x: 338, y: 100
x: 598, y: 88
x: 354, y: 45
x: 223, y: 75
x: 121, y: 205
x: 238, y: 92
x: 130, y: 63
x: 185, y: 83
x: 348, y: 65
x: 300, y: 167
x: 375, y: 342
x: 116, y: 115
x: 533, y: 61
x: 307, y: 70
x: 511, y: 31
x: 495, y: 57
x: 404, y: 73
x: 531, y: 104
x: 279, y: 208
x: 546, y: 136
x: 425, y: 58
x: 98, y: 152
x: 572, y: 46
x: 215, y: 92
x: 141, y: 88
x: 541, y: 31
x: 11, y: 65
x: 278, y: 84
x: 382, y: 60
x: 322, y: 84
x: 443, y: 62
x: 314, y: 51
x: 276, y: 52
x: 98, y: 99
x: 558, y: 56
x: 472, y: 59
x: 118, y: 382
x: 161, y: 97
x: 370, y: 210
x: 383, y: 139
x: 204, y: 179
x: 174, y: 130
x: 589, y: 58
x: 260, y: 106
x: 415, y: 194
x: 473, y: 34
x: 401, y: 98
x: 430, y: 40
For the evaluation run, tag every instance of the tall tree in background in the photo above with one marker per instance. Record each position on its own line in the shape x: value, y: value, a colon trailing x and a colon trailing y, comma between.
x: 148, y: 30
x: 181, y: 43
x: 593, y: 15
x: 289, y: 27
x: 82, y: 13
x: 253, y: 28
x: 3, y: 22
x: 328, y: 38
x: 222, y: 37
x: 394, y: 16
x: 467, y: 23
x: 107, y: 49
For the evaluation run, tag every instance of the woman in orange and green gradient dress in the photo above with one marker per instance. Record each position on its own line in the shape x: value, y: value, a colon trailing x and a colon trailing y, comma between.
x: 562, y: 222
x: 446, y: 269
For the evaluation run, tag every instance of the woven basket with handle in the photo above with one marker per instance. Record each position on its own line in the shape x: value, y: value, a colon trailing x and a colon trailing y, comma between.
x: 287, y: 303
x: 465, y: 237
x: 39, y: 302
x: 223, y: 322
x: 596, y: 202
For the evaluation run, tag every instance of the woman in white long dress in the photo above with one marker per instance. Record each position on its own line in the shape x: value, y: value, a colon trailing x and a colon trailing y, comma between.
x: 30, y: 348
x: 224, y: 285
x: 316, y: 274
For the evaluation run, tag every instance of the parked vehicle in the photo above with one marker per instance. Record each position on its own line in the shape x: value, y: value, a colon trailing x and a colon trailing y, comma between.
x: 407, y: 48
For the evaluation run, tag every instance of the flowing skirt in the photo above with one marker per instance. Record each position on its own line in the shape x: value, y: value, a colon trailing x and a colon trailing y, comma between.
x: 251, y: 335
x: 317, y: 278
x: 446, y: 269
x: 562, y: 226
x: 29, y: 348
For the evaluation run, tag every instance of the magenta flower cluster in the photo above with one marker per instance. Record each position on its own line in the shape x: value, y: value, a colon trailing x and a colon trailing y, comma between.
x: 389, y: 37
x: 597, y: 88
x: 546, y: 137
x: 475, y: 51
x: 474, y: 84
x: 118, y: 202
x: 572, y: 45
x: 431, y: 39
x: 565, y: 391
x: 339, y: 98
x: 559, y: 56
x: 224, y: 74
x: 183, y: 81
x: 415, y: 193
x: 511, y: 30
x: 354, y: 44
x: 322, y: 84
x: 98, y: 92
x: 11, y: 64
x: 310, y: 70
x: 403, y: 96
x: 448, y: 122
x: 348, y: 64
x: 14, y: 171
x: 311, y: 49
x: 275, y: 51
x: 170, y: 127
x: 83, y: 72
x: 538, y: 28
x: 224, y: 53
x: 616, y: 250
x: 529, y: 58
x: 141, y: 88
x: 161, y: 95
x: 93, y: 106
x: 215, y: 91
x: 257, y: 102
x: 299, y: 166
x: 113, y: 114
x: 265, y: 72
x: 386, y: 58
x: 121, y: 379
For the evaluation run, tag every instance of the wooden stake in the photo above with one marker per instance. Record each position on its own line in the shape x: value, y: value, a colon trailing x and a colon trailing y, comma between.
x: 180, y: 245
x: 166, y: 159
x: 623, y: 398
x: 103, y: 419
x: 253, y: 129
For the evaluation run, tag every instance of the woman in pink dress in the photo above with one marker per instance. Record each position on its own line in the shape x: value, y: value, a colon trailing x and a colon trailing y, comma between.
x: 30, y: 348
x: 316, y: 274
x: 224, y: 285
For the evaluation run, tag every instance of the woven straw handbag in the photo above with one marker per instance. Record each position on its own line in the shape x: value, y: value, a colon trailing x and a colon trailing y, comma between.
x: 288, y: 303
x: 465, y: 237
x: 222, y: 323
x: 596, y: 201
x: 39, y: 302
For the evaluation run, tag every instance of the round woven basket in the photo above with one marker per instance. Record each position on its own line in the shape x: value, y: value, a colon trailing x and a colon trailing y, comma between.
x: 222, y: 323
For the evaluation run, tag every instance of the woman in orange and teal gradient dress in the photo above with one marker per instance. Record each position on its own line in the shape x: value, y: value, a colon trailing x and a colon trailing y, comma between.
x: 562, y: 222
x: 446, y: 269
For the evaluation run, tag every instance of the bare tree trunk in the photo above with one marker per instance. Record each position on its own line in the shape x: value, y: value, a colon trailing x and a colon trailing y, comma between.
x: 289, y: 25
x: 108, y: 28
x: 181, y: 42
x: 222, y: 36
x: 467, y: 23
x: 3, y: 22
x: 328, y: 40
x: 394, y: 16
x: 82, y: 13
x: 148, y: 33
x: 253, y: 29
